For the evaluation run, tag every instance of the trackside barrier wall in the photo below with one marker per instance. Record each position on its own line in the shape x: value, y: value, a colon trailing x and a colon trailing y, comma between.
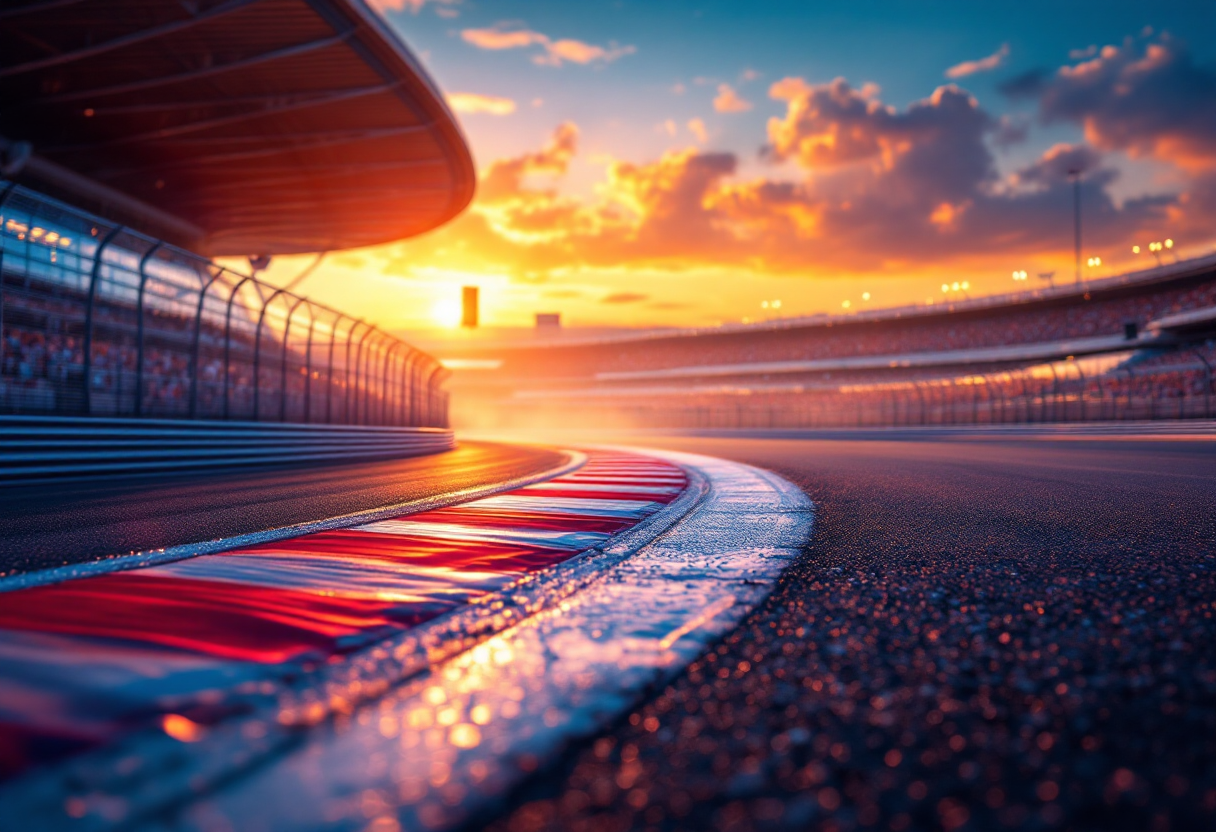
x: 41, y: 447
x: 99, y: 320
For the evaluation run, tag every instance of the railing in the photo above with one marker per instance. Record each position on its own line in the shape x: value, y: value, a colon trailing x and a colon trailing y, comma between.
x: 100, y: 320
x: 1109, y: 388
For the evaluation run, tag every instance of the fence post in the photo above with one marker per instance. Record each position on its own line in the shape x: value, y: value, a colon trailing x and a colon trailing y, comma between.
x: 1207, y: 383
x: 283, y: 361
x: 228, y: 339
x: 196, y: 347
x: 432, y: 384
x: 4, y: 195
x: 353, y: 419
x: 387, y: 386
x: 329, y: 375
x: 257, y: 353
x: 366, y: 369
x: 94, y: 279
x: 139, y: 327
x: 312, y: 324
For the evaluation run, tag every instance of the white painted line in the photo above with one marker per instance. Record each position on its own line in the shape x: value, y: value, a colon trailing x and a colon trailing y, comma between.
x: 448, y: 744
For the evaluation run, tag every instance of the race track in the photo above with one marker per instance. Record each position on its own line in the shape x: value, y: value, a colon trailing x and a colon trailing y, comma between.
x: 983, y: 634
x: 55, y: 524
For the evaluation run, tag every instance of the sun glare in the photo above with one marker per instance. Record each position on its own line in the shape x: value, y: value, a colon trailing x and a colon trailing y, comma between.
x: 446, y: 313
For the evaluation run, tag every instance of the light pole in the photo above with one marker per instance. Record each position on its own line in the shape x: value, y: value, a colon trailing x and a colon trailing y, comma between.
x: 1075, y: 175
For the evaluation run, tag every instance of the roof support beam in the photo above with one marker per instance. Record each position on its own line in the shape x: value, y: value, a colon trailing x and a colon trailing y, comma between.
x: 300, y: 103
x: 126, y: 40
x: 197, y: 74
x: 320, y: 141
x: 328, y: 196
x: 36, y: 6
x: 259, y: 177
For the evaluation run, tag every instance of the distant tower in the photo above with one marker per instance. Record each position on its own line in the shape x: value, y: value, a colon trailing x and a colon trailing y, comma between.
x: 468, y: 307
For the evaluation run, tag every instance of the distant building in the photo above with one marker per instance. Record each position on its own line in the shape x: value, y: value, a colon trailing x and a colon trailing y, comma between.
x: 548, y: 321
x: 468, y: 307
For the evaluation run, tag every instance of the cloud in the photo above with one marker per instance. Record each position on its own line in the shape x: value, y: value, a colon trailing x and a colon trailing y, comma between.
x: 728, y: 101
x: 498, y: 39
x: 415, y: 6
x: 1059, y: 162
x: 982, y: 65
x: 1028, y: 84
x: 1150, y: 101
x: 624, y: 297
x: 869, y: 187
x: 472, y: 102
x: 505, y: 178
x: 554, y: 52
x: 697, y: 127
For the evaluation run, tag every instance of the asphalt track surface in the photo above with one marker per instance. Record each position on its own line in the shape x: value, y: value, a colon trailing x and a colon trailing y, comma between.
x: 55, y: 524
x: 983, y: 634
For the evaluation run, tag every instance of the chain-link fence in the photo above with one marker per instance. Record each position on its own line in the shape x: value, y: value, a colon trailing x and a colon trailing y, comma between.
x: 98, y: 319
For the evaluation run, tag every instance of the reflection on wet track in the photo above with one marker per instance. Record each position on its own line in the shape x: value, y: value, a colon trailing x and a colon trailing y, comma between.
x: 84, y: 661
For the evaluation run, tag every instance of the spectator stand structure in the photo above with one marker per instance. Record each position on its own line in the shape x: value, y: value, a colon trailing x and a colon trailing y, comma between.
x: 1138, y: 346
x: 101, y: 320
x: 143, y: 140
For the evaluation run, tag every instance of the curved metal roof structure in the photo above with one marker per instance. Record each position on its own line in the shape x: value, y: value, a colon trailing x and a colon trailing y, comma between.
x: 230, y: 126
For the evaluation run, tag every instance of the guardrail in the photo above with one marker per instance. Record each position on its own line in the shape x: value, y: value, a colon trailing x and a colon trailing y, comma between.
x: 99, y: 320
x: 47, y: 447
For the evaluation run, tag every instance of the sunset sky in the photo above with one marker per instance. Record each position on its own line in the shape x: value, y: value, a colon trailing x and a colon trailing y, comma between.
x: 674, y: 163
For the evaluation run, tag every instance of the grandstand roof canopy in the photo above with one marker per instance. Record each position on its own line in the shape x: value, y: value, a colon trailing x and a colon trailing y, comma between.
x: 230, y: 126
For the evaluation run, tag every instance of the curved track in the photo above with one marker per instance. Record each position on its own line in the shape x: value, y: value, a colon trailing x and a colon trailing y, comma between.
x: 52, y: 525
x: 983, y: 634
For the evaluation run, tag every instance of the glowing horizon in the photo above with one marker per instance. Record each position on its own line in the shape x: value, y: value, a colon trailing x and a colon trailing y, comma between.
x: 620, y: 186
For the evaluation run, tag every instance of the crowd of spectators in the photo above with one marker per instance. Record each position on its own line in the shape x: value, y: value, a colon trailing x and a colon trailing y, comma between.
x: 1028, y: 323
x: 1150, y: 384
x: 42, y: 363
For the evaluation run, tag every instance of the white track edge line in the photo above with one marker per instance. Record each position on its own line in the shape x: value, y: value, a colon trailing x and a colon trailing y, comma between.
x: 553, y: 679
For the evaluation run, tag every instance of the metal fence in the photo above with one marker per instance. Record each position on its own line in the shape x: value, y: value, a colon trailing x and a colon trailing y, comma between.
x: 1168, y: 384
x: 98, y: 319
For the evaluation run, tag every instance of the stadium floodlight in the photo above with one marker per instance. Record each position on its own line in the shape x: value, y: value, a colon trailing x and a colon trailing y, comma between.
x: 865, y: 295
x: 1169, y: 243
x: 1135, y: 249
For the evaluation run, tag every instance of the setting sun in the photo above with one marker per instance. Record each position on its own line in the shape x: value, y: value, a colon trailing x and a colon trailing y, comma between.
x: 446, y: 313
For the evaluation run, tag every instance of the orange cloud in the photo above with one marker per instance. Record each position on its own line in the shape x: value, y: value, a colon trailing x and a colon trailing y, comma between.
x: 697, y: 128
x: 982, y: 65
x: 472, y: 102
x: 728, y: 101
x: 414, y: 6
x: 1155, y: 102
x: 877, y: 189
x: 555, y: 52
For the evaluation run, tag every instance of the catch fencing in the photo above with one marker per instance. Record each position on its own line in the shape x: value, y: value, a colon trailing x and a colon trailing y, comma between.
x: 100, y: 320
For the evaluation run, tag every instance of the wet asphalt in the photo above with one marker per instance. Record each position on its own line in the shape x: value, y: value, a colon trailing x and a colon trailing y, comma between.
x: 983, y: 634
x: 57, y: 523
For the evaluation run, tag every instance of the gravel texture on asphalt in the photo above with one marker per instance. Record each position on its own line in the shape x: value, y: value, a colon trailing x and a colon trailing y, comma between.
x: 980, y: 636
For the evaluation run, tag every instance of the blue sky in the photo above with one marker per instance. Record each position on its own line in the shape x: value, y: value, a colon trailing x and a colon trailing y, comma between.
x: 623, y: 182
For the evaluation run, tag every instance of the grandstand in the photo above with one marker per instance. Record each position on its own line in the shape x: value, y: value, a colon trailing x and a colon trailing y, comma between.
x: 1135, y: 346
x: 142, y: 139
